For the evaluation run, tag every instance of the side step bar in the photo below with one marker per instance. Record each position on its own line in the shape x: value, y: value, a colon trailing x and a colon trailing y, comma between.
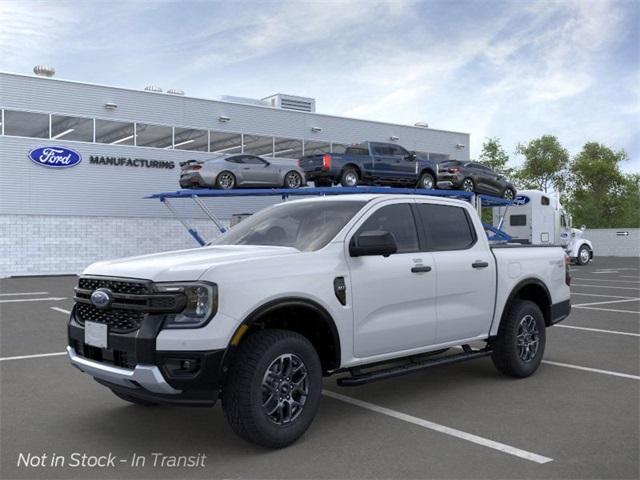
x: 410, y: 366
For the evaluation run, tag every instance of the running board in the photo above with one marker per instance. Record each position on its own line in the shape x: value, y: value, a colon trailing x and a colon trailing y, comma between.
x: 410, y: 366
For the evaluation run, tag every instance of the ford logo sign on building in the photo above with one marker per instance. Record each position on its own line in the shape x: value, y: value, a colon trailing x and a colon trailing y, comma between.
x: 55, y: 157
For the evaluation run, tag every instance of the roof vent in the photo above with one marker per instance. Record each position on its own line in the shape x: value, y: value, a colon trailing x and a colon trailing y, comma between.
x: 421, y: 124
x: 44, y: 71
x: 153, y: 88
x: 292, y: 102
x: 175, y: 91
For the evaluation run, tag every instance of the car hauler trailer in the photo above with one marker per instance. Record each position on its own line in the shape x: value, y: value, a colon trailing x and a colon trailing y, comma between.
x: 537, y: 218
x: 479, y: 201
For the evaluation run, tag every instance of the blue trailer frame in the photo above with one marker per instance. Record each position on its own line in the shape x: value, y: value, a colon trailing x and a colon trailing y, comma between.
x: 478, y: 200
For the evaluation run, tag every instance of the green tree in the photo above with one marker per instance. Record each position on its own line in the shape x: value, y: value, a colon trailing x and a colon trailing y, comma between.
x: 494, y: 156
x: 545, y: 164
x: 601, y: 196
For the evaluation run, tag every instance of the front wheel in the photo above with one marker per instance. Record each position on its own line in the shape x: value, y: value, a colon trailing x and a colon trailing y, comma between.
x: 519, y: 346
x: 426, y: 181
x: 293, y: 179
x: 273, y: 389
x: 509, y: 194
x: 584, y: 255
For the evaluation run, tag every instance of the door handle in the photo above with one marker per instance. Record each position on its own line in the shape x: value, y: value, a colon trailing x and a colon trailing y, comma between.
x: 420, y: 269
x: 480, y: 264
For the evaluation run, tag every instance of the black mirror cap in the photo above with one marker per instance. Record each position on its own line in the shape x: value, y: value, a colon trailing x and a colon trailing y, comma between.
x: 373, y: 242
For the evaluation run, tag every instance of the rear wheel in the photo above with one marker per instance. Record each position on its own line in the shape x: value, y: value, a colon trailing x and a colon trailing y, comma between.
x: 293, y: 179
x: 468, y: 185
x: 584, y: 255
x: 273, y: 388
x: 226, y: 180
x: 426, y: 181
x: 519, y: 346
x: 349, y: 178
x: 130, y: 399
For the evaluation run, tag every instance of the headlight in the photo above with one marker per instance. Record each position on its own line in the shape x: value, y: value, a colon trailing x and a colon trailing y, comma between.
x: 201, y: 304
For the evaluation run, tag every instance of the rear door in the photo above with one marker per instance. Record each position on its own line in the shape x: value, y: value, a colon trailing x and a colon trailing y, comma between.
x: 394, y: 303
x: 465, y: 271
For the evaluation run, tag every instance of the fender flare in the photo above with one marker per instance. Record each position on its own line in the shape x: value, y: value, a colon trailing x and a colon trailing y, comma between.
x: 518, y: 287
x: 297, y: 302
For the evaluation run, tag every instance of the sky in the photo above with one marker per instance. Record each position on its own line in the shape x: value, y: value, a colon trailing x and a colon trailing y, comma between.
x: 514, y: 70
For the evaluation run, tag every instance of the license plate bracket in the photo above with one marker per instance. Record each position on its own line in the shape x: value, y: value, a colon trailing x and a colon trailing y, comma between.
x: 96, y: 334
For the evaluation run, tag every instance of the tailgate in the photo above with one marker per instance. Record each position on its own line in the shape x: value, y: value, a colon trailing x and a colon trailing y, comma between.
x: 312, y: 163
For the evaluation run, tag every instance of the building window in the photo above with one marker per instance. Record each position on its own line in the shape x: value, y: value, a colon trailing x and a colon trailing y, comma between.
x: 190, y: 139
x: 26, y: 124
x: 287, y: 148
x: 157, y: 136
x: 114, y: 133
x: 225, y: 142
x: 315, y: 148
x: 71, y: 128
x: 438, y: 157
x: 258, y: 145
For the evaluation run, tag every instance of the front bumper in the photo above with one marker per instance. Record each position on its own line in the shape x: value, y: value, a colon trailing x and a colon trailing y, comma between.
x: 132, y: 364
x: 148, y: 377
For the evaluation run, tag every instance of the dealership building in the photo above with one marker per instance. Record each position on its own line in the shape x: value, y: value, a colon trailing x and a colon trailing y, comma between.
x: 127, y: 144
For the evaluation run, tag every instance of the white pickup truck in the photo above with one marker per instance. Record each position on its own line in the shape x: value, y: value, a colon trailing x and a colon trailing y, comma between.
x: 369, y: 286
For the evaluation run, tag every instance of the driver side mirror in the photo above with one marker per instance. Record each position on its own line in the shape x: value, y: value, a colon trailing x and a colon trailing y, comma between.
x: 412, y: 156
x: 373, y: 242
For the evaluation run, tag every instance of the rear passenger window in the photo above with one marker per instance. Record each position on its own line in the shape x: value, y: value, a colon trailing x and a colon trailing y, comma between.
x: 398, y: 220
x: 446, y: 228
x: 518, y: 220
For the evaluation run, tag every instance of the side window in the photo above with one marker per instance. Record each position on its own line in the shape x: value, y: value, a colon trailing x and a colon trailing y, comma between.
x: 544, y: 200
x: 235, y: 159
x: 399, y: 151
x: 398, y: 220
x: 253, y: 160
x: 518, y: 220
x: 446, y: 228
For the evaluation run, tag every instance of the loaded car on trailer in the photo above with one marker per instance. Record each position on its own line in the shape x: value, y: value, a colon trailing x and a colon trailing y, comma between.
x: 370, y: 286
x: 371, y: 163
x: 241, y: 170
x: 474, y: 177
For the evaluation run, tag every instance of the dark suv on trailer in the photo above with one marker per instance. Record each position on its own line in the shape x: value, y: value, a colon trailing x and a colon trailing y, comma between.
x: 474, y: 177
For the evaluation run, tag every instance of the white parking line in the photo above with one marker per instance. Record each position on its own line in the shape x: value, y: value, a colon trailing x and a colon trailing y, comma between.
x: 606, y: 286
x: 22, y: 293
x: 61, y: 310
x: 595, y: 370
x: 40, y: 355
x: 599, y: 330
x: 48, y: 299
x: 605, y: 280
x: 628, y: 276
x: 606, y: 302
x: 485, y: 442
x: 609, y: 310
x: 598, y: 295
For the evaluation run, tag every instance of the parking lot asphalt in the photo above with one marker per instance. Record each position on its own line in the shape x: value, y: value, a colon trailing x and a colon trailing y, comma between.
x: 577, y: 417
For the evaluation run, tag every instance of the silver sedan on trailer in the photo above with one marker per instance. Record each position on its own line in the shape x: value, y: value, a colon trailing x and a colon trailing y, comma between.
x: 241, y: 170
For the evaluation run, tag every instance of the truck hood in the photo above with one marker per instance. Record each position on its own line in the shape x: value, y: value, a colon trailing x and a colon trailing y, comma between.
x: 182, y: 265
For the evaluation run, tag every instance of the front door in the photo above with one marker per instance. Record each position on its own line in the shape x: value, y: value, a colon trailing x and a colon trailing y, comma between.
x: 258, y: 172
x: 394, y: 297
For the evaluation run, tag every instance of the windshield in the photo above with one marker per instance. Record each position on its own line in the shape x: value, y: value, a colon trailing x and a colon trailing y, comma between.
x: 307, y: 226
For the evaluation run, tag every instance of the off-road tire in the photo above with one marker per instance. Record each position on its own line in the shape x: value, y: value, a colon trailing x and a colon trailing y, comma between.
x: 134, y: 400
x: 242, y: 394
x: 505, y: 356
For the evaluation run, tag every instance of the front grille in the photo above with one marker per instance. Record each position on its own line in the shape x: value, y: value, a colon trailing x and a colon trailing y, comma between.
x: 118, y: 320
x: 130, y: 287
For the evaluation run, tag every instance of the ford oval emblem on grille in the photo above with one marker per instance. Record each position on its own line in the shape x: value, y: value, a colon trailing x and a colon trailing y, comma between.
x: 55, y: 157
x: 102, y: 298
